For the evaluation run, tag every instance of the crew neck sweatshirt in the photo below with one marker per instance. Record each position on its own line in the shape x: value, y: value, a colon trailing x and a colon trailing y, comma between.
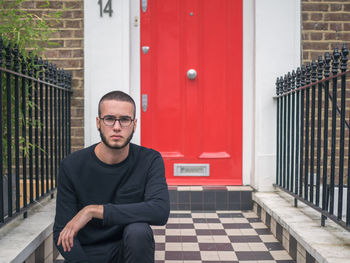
x: 133, y: 190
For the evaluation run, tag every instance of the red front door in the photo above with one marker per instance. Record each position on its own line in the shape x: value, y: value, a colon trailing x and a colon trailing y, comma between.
x: 194, y: 118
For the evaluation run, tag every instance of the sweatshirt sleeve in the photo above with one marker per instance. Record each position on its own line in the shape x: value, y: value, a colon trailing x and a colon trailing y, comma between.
x: 66, y: 209
x: 153, y: 210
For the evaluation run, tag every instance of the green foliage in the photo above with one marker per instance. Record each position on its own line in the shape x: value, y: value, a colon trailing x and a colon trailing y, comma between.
x: 25, y: 28
x: 30, y: 33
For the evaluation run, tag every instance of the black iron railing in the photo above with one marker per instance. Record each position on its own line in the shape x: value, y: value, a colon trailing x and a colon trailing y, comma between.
x: 35, y: 100
x: 313, y: 135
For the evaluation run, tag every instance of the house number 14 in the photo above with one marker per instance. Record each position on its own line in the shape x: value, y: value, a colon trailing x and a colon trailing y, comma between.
x: 107, y: 9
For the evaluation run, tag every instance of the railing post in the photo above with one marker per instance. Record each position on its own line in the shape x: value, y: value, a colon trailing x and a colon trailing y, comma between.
x: 1, y: 143
x: 293, y: 76
x: 24, y: 132
x: 312, y: 150
x: 302, y: 109
x: 327, y: 66
x: 36, y: 128
x: 319, y: 129
x: 298, y: 120
x: 307, y: 118
x: 47, y: 156
x: 335, y: 64
x: 9, y: 130
x: 16, y: 122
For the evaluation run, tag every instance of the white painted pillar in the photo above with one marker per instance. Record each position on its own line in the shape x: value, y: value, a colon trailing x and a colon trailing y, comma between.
x: 277, y: 51
x: 106, y: 58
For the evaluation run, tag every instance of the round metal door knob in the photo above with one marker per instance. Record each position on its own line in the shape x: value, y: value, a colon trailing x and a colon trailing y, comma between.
x: 191, y: 74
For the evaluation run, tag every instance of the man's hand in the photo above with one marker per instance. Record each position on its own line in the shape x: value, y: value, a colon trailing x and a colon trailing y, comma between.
x: 78, y: 222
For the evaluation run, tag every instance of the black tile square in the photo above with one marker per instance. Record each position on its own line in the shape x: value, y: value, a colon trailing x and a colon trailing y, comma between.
x: 274, y: 246
x: 279, y: 232
x: 221, y: 205
x: 234, y: 206
x: 180, y: 215
x: 189, y: 239
x: 173, y: 255
x: 160, y: 246
x: 176, y: 239
x: 230, y: 215
x: 184, y: 206
x: 173, y: 196
x: 197, y: 197
x: 253, y: 220
x: 253, y: 255
x: 209, y: 196
x: 218, y: 232
x: 183, y: 197
x: 207, y: 246
x: 246, y: 206
x: 236, y: 225
x: 242, y: 239
x: 185, y: 226
x: 234, y: 197
x: 259, y: 211
x: 263, y: 231
x: 224, y: 247
x: 309, y: 258
x: 196, y: 206
x: 292, y: 247
x: 209, y: 206
x: 246, y: 197
x: 213, y: 220
x: 191, y: 255
x: 221, y: 197
x: 159, y: 232
x: 173, y: 206
x: 203, y: 232
x: 268, y: 220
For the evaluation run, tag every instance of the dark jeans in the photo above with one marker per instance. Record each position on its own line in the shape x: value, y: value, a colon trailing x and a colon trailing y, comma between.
x: 136, y: 246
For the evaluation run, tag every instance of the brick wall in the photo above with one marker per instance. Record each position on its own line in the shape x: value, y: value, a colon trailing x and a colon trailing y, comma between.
x: 325, y: 25
x: 68, y: 53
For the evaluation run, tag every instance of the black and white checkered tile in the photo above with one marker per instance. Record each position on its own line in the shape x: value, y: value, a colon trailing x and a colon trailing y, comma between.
x: 217, y: 236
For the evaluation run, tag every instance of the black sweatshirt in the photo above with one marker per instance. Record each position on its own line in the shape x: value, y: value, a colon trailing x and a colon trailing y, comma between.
x: 134, y: 190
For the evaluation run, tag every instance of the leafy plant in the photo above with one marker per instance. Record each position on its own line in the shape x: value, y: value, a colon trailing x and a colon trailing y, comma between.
x: 30, y: 33
x: 26, y: 29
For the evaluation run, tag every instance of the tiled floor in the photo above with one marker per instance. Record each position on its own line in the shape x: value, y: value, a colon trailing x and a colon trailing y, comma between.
x: 221, y: 236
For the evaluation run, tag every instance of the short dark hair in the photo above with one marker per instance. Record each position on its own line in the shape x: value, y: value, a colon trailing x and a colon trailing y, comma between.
x: 118, y: 96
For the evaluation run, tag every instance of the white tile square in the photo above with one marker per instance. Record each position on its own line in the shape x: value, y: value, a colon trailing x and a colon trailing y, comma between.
x: 227, y: 255
x: 186, y: 246
x: 233, y: 232
x: 172, y: 232
x: 215, y: 226
x: 241, y: 247
x: 258, y: 246
x: 187, y: 232
x: 268, y: 238
x: 173, y: 246
x: 205, y: 239
x: 221, y: 239
x: 159, y: 255
x: 280, y: 255
x: 209, y: 255
x: 201, y: 226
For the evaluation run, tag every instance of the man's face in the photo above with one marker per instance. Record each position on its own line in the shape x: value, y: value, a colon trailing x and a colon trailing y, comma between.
x: 116, y: 136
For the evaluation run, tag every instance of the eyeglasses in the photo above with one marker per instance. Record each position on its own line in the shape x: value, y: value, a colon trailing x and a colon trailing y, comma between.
x: 124, y: 121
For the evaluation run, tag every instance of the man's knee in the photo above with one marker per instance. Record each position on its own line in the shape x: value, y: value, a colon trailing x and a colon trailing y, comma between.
x: 137, y: 232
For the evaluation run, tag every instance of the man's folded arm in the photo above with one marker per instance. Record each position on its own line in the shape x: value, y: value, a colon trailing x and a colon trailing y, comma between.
x: 153, y: 210
x: 66, y: 209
